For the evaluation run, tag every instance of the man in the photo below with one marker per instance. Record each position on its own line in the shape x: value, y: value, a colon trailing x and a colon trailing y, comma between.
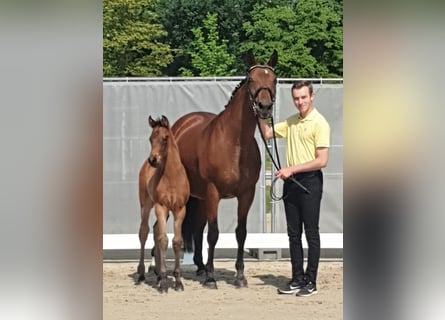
x: 308, y: 141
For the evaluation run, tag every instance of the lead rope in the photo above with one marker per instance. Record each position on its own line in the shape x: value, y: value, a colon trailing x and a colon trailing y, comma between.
x: 273, y: 196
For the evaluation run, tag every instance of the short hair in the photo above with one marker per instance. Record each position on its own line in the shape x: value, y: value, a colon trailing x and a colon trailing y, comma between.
x: 303, y: 83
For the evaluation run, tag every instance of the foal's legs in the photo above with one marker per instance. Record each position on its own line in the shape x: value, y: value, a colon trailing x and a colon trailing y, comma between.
x: 161, y: 244
x: 244, y: 203
x: 143, y: 234
x: 155, y: 253
x: 177, y: 244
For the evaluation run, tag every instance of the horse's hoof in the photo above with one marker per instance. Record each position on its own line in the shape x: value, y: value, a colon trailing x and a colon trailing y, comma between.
x: 162, y: 285
x: 179, y: 287
x: 210, y: 284
x: 141, y: 278
x: 241, y: 283
x: 163, y: 290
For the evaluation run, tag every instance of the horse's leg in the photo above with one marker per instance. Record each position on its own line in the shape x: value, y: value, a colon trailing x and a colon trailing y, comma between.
x: 154, y: 261
x: 161, y: 243
x: 198, y: 234
x: 177, y: 244
x: 196, y: 220
x: 211, y: 202
x: 143, y: 234
x: 244, y: 202
x: 155, y: 253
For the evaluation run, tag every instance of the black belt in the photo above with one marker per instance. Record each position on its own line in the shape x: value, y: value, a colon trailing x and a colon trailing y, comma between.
x: 307, y: 174
x: 298, y: 176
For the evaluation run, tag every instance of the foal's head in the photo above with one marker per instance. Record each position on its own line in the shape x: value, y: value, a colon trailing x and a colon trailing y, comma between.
x: 159, y: 140
x: 262, y: 82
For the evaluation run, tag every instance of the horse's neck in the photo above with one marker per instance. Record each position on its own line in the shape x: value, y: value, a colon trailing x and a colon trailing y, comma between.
x: 172, y: 161
x: 239, y: 115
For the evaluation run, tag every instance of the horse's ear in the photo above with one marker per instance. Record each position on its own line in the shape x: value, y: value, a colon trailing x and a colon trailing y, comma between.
x: 273, y: 59
x: 151, y: 122
x: 249, y: 58
x: 164, y: 121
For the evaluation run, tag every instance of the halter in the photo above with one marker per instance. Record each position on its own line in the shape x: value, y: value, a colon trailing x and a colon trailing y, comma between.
x: 260, y: 66
x: 253, y: 96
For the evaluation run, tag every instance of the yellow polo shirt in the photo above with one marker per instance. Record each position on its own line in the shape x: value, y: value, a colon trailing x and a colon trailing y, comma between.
x: 303, y: 136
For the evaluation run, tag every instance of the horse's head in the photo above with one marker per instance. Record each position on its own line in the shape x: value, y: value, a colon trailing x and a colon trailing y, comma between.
x: 262, y: 83
x: 159, y: 139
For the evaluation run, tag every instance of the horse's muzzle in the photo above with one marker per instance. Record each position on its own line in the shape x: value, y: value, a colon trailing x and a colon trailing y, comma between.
x: 263, y: 111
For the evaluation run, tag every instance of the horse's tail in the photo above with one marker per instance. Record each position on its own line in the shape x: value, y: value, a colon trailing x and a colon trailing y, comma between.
x: 188, y: 225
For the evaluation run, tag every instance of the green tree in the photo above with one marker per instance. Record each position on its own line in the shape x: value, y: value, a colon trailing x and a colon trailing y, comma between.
x: 321, y: 23
x: 307, y: 36
x: 179, y: 17
x: 209, y: 56
x: 231, y: 16
x: 133, y: 39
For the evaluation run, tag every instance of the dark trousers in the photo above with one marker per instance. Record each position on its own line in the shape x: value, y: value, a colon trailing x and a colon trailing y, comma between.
x: 303, y: 210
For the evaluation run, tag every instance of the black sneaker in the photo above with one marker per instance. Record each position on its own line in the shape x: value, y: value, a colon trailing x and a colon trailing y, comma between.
x: 293, y: 287
x: 308, y: 290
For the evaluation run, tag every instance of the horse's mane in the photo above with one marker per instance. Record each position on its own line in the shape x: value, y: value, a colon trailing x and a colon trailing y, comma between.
x: 235, y: 90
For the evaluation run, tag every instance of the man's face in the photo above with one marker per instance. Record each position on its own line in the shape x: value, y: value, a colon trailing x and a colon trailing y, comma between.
x: 302, y: 100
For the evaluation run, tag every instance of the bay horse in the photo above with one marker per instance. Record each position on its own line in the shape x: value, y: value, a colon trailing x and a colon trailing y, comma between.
x: 222, y: 160
x: 163, y: 184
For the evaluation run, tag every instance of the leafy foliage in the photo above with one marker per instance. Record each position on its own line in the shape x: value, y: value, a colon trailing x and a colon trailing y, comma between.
x: 181, y: 17
x: 132, y: 40
x: 321, y: 24
x: 178, y: 19
x: 174, y: 37
x: 308, y: 38
x: 209, y: 54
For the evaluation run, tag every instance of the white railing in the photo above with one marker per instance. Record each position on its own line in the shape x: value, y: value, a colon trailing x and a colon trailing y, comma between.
x: 215, y: 79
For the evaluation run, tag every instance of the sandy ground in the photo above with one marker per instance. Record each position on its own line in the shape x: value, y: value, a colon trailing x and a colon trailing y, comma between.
x: 122, y: 299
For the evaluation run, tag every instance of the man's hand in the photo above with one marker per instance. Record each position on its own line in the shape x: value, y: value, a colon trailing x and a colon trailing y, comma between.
x: 284, y: 173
